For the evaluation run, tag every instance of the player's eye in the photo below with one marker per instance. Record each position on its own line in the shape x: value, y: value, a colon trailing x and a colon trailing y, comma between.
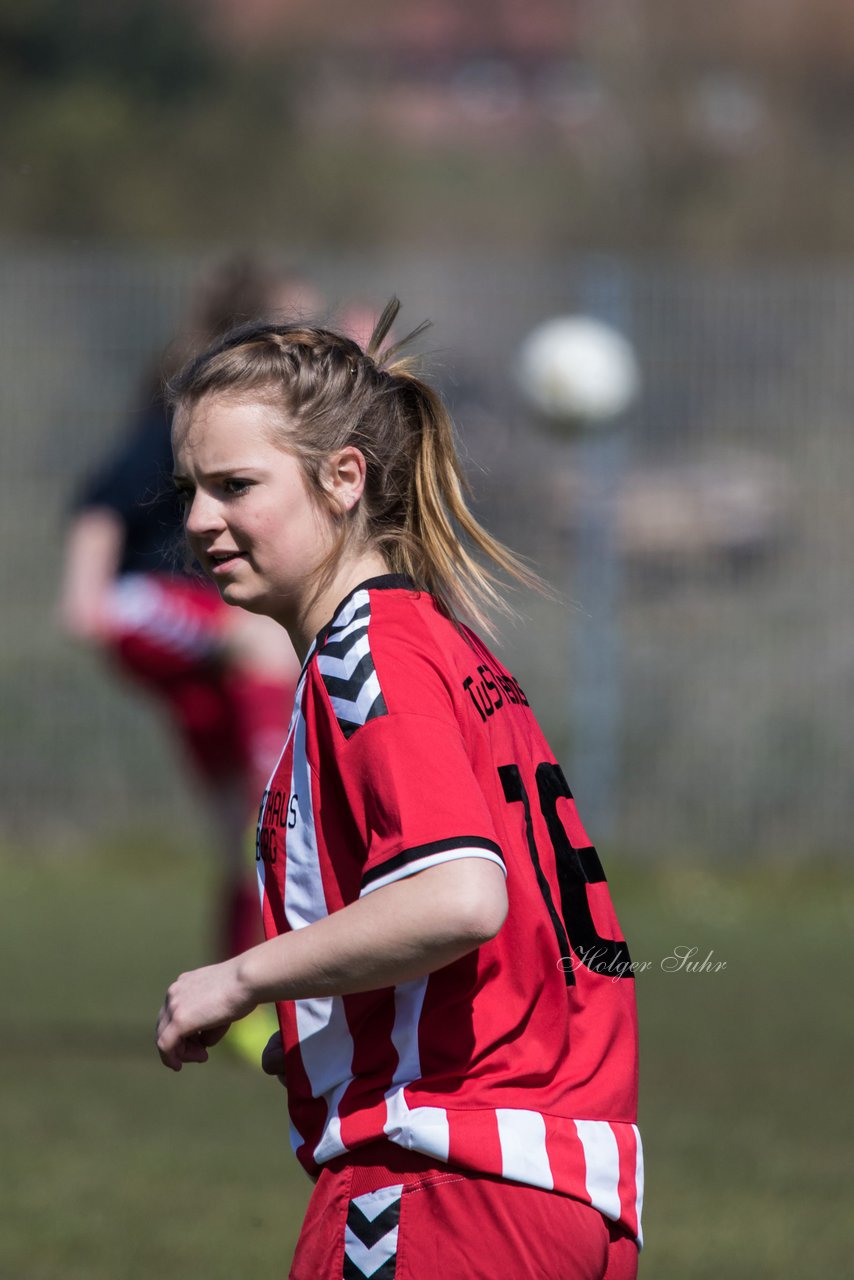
x: 235, y: 486
x: 183, y: 494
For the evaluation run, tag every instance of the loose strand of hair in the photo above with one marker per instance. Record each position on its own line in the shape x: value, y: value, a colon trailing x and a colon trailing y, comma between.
x: 382, y: 328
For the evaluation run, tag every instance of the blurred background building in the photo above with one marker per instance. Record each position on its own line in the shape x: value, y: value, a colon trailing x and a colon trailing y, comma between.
x: 685, y: 167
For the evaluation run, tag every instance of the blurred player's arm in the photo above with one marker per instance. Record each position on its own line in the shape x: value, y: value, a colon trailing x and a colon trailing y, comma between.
x: 93, y: 551
x: 393, y: 935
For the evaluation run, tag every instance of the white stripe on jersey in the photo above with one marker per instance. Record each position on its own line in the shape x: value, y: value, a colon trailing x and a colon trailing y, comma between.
x: 326, y: 1046
x: 331, y: 1143
x: 423, y: 1129
x: 432, y: 860
x: 296, y: 1137
x: 304, y: 899
x: 602, y: 1161
x: 639, y: 1182
x: 522, y: 1135
x: 408, y: 1003
x: 260, y: 864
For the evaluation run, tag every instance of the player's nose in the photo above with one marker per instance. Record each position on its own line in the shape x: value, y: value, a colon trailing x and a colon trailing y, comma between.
x: 203, y: 516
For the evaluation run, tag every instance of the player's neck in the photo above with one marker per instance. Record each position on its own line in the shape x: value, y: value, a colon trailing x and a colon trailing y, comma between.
x: 319, y: 608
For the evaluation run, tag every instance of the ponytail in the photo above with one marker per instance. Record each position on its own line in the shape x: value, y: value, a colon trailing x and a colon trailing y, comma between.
x: 440, y: 532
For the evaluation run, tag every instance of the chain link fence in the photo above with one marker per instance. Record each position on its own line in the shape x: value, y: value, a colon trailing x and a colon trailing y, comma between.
x: 697, y: 673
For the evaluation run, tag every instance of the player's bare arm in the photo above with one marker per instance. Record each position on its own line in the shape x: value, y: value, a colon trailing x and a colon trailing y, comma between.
x: 92, y: 553
x: 393, y: 935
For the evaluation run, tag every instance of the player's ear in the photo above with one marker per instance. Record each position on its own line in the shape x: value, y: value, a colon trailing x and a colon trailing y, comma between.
x: 343, y: 477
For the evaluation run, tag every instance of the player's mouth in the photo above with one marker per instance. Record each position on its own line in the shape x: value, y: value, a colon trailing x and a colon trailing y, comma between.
x: 220, y: 562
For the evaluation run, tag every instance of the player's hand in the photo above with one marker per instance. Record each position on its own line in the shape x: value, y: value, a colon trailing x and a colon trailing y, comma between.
x: 273, y: 1057
x: 199, y: 1008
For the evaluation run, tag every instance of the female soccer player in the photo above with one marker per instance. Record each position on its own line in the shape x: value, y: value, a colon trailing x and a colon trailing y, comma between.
x: 458, y: 1029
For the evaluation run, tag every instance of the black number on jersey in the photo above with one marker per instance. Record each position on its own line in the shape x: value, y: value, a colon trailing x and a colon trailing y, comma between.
x: 576, y: 868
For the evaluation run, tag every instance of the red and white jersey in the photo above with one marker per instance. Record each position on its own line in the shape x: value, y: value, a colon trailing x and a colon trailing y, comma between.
x: 411, y: 745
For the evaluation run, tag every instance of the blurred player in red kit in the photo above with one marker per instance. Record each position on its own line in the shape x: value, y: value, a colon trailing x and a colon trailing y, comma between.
x: 456, y: 1001
x: 224, y: 679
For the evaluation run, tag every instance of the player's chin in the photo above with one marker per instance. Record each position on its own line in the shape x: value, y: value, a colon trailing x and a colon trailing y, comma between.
x: 243, y: 596
x: 233, y: 589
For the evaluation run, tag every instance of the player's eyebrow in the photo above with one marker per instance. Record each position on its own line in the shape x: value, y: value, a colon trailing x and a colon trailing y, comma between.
x: 221, y: 473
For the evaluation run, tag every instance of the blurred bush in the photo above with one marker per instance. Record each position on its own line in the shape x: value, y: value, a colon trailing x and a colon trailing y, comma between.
x: 641, y: 124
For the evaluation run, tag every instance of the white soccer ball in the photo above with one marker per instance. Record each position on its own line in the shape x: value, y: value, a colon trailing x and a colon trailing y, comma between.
x: 577, y: 371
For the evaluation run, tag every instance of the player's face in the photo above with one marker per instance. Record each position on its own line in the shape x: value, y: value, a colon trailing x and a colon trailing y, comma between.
x: 250, y: 518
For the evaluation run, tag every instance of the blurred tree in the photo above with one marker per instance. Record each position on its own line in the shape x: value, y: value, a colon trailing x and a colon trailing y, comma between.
x: 600, y: 124
x: 737, y: 119
x: 128, y: 120
x: 147, y: 49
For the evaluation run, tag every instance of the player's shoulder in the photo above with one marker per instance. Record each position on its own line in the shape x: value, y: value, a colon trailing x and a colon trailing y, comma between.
x: 389, y: 615
x: 388, y: 650
x: 413, y: 640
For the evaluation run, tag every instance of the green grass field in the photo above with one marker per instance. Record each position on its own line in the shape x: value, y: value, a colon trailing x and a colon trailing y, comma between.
x: 115, y: 1169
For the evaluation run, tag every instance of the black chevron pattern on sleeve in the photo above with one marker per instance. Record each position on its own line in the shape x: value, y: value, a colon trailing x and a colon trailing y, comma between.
x: 347, y: 668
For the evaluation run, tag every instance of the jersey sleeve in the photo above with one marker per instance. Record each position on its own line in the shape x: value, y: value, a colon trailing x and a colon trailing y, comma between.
x: 414, y: 798
x: 403, y: 769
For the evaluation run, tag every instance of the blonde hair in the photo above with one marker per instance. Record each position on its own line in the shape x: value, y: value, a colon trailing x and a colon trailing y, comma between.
x: 334, y: 395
